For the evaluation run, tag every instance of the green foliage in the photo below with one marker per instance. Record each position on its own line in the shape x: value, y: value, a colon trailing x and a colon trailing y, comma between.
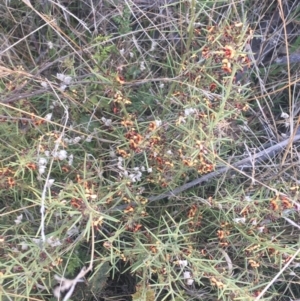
x: 99, y: 279
x: 123, y: 21
x: 103, y: 50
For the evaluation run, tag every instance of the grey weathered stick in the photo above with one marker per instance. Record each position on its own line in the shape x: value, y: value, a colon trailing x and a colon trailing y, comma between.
x: 258, y: 157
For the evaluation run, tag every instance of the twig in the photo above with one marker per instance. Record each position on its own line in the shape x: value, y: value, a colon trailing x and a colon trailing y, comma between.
x: 45, y: 188
x: 277, y: 276
x: 69, y: 284
x: 258, y: 157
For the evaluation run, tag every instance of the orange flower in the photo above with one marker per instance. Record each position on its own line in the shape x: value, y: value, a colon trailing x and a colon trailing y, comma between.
x: 229, y: 52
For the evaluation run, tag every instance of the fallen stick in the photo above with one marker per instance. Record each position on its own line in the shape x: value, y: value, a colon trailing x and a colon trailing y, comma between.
x: 258, y: 157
